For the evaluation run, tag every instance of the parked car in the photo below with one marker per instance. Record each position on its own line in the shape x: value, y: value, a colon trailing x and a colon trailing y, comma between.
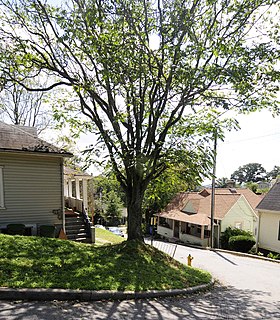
x: 100, y: 226
x: 116, y: 230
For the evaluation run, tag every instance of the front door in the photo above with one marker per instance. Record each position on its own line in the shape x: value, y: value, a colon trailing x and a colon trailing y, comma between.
x: 176, y: 229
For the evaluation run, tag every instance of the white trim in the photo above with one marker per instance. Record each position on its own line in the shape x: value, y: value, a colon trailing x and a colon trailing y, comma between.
x: 2, y: 206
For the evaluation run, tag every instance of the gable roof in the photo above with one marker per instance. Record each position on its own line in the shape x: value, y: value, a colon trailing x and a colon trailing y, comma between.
x: 195, y: 207
x: 271, y: 201
x: 25, y: 139
x: 78, y: 172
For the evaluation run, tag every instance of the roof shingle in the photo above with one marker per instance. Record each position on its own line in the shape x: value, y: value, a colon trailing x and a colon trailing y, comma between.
x: 271, y: 201
x: 25, y: 139
x: 196, y: 207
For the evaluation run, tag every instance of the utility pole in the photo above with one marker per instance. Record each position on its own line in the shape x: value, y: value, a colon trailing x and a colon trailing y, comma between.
x: 213, y: 189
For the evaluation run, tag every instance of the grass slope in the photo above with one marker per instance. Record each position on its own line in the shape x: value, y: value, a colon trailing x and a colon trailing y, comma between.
x: 33, y: 262
x: 106, y: 237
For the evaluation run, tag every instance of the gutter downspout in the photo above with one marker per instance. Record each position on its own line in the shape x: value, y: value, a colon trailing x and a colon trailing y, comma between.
x: 213, y: 190
x: 258, y: 231
x: 62, y: 194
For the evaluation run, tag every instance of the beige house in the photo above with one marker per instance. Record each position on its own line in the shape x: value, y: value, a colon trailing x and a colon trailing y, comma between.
x: 187, y: 217
x: 31, y: 180
x: 269, y: 220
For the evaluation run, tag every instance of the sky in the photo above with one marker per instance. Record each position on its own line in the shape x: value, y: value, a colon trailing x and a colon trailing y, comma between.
x: 258, y: 140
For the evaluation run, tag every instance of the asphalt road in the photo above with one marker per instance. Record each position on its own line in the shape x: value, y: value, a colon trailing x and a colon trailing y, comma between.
x: 248, y: 289
x: 242, y: 273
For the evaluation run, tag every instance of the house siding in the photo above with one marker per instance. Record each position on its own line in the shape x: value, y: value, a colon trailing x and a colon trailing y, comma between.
x: 241, y: 212
x: 32, y: 189
x: 165, y: 232
x: 269, y: 231
x: 187, y: 238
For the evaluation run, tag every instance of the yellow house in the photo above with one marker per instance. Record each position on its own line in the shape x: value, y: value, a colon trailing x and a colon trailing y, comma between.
x: 269, y: 220
x: 187, y: 217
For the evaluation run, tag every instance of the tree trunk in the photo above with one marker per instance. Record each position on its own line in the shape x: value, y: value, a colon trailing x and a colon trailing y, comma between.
x: 135, y: 196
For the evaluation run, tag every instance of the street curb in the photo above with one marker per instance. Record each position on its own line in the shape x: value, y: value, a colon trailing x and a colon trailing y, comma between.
x: 236, y: 253
x: 88, y: 295
x: 241, y: 254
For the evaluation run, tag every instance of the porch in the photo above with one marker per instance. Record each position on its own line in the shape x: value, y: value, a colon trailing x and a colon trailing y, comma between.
x: 184, y: 231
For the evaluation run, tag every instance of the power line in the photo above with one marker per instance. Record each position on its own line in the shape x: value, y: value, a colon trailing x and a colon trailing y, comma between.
x: 253, y: 138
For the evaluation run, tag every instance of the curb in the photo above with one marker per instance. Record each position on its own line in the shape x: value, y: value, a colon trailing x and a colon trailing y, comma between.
x: 88, y: 295
x: 247, y: 255
x: 236, y: 253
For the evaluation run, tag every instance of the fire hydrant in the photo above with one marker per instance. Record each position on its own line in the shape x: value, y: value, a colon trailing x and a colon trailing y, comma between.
x: 190, y: 258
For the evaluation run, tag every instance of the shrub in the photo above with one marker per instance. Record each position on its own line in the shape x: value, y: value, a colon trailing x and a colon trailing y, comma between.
x: 231, y: 232
x: 241, y: 243
x: 275, y: 256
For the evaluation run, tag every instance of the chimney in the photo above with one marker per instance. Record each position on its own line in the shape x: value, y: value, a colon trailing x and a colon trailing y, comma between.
x: 230, y: 183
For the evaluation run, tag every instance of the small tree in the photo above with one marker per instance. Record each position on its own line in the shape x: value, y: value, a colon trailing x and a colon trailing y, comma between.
x: 222, y: 182
x: 252, y: 186
x: 113, y: 208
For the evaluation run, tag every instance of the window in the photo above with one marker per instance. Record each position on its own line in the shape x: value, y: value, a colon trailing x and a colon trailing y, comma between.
x: 238, y: 225
x: 1, y: 188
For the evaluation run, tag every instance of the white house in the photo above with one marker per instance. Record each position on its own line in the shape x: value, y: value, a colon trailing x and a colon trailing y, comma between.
x: 269, y: 220
x: 32, y: 180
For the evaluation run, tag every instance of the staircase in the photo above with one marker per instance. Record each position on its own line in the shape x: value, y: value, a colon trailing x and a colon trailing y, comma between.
x: 75, y: 227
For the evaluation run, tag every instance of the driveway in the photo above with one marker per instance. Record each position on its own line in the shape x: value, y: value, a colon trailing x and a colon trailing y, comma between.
x: 248, y: 289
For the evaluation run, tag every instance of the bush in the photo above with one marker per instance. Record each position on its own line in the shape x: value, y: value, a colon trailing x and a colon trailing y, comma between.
x: 275, y: 256
x: 241, y: 243
x: 231, y: 232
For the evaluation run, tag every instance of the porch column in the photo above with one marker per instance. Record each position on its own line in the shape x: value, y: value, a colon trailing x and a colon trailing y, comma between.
x: 202, y: 233
x: 66, y: 190
x: 77, y: 181
x: 69, y: 182
x: 85, y: 194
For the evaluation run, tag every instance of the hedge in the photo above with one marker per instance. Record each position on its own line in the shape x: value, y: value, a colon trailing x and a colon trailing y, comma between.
x: 241, y: 243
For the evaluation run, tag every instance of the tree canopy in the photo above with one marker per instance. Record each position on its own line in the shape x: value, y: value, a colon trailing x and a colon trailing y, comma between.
x: 153, y: 79
x: 274, y: 173
x: 251, y: 172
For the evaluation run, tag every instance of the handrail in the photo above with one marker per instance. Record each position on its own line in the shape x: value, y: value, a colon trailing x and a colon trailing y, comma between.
x: 78, y: 205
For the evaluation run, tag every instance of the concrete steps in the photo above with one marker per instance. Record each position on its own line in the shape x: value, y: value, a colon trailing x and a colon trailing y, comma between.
x: 75, y: 228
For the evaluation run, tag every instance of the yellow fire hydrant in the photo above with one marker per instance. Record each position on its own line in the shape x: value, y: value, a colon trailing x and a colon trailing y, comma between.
x: 190, y: 258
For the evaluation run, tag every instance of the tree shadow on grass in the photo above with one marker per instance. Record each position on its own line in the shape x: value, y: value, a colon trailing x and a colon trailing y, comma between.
x: 219, y: 303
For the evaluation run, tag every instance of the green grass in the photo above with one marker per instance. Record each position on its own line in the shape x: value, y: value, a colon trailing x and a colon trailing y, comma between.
x: 33, y: 262
x: 106, y: 237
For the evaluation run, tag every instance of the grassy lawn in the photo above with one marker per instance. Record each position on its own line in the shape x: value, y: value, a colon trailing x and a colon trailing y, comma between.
x: 106, y: 237
x: 33, y: 262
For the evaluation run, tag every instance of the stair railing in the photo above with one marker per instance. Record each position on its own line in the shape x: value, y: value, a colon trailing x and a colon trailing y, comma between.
x: 78, y: 206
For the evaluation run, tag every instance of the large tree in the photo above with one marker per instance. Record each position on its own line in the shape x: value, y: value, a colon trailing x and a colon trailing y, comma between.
x: 152, y: 78
x: 274, y: 173
x: 251, y: 172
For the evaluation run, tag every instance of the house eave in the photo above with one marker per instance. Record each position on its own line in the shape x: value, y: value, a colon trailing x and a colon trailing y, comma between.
x: 37, y: 153
x: 268, y: 211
